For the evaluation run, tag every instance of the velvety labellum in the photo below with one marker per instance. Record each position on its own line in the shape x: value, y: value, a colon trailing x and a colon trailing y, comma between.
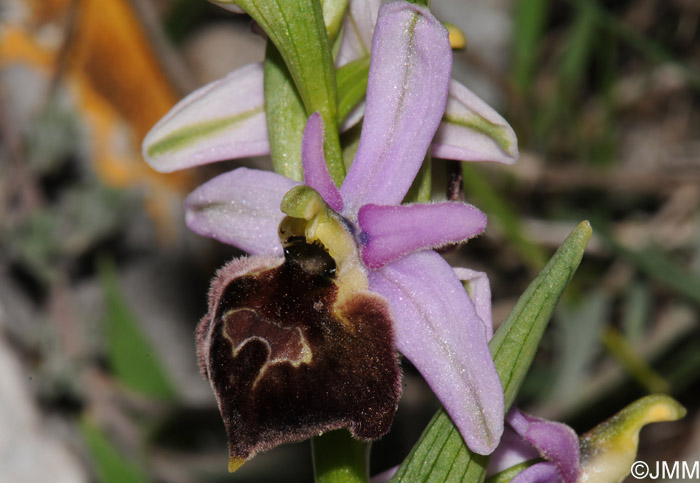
x: 287, y: 361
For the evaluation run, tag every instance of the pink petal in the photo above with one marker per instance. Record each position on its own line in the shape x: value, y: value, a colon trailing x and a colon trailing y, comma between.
x: 556, y: 442
x: 512, y: 450
x: 472, y: 131
x: 222, y: 120
x: 438, y: 330
x: 316, y: 172
x: 241, y: 208
x: 390, y: 232
x: 479, y: 291
x: 406, y: 95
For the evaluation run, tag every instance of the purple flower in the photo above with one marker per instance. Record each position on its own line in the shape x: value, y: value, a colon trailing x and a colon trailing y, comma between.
x: 470, y: 129
x: 436, y: 325
x: 226, y: 118
x: 526, y: 438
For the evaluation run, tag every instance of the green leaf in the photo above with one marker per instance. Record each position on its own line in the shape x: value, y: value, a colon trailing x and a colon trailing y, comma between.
x: 352, y: 85
x: 298, y: 31
x: 110, y: 466
x: 530, y: 18
x: 285, y: 116
x: 440, y: 454
x: 130, y: 355
x: 576, y: 57
x: 338, y: 458
x: 514, y: 344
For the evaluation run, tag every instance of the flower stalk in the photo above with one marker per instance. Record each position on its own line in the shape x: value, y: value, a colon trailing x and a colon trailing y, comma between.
x: 339, y: 458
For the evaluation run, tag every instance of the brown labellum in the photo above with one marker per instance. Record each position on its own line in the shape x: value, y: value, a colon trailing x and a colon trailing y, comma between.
x: 287, y: 361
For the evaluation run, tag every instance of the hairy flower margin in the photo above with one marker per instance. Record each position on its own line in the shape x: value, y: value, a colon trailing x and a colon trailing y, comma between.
x: 436, y: 324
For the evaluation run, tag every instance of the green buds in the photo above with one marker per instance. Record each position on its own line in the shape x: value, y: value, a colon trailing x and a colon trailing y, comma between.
x: 609, y: 449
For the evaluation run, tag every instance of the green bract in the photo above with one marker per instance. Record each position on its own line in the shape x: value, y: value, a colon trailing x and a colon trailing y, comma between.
x: 298, y: 31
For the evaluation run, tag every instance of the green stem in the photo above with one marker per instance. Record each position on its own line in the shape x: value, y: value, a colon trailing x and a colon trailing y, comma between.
x: 339, y: 458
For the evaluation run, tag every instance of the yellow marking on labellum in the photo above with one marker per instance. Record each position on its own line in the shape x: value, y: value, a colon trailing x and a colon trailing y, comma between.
x: 309, y: 216
x: 314, y: 220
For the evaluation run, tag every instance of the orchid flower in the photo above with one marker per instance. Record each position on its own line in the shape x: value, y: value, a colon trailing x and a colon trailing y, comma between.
x: 528, y: 438
x: 604, y: 454
x: 374, y: 242
x: 226, y: 118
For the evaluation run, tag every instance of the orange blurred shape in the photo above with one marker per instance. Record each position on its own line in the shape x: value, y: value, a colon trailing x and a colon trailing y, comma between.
x: 106, y: 61
x: 111, y: 49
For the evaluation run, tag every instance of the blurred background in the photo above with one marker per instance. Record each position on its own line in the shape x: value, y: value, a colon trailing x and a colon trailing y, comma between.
x: 101, y: 285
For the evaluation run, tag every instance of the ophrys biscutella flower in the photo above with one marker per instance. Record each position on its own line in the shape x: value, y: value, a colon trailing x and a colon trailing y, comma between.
x: 298, y: 345
x: 354, y: 247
